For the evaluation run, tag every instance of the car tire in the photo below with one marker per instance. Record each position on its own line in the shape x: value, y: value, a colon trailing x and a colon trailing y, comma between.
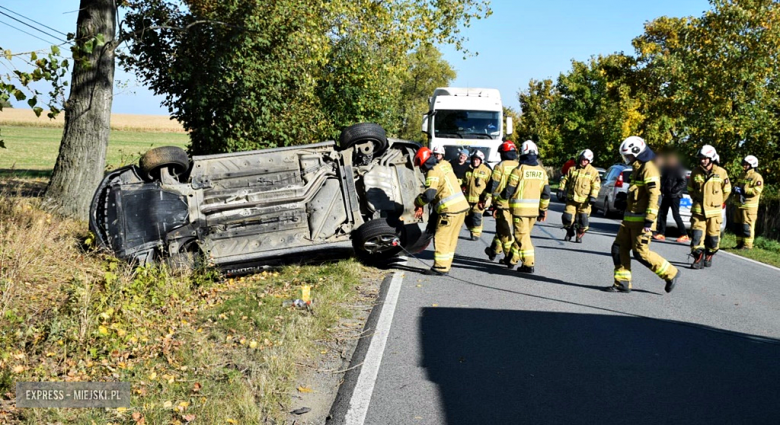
x: 164, y: 156
x: 360, y: 133
x: 373, y: 241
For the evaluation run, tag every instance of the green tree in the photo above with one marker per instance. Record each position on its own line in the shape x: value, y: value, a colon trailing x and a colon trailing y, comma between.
x: 537, y: 121
x: 250, y: 74
x: 426, y: 72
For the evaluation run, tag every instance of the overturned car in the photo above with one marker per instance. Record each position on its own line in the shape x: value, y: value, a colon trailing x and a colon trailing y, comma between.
x: 244, y: 210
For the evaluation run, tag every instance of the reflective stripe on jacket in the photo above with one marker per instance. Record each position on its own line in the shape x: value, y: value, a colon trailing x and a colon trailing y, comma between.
x: 528, y: 183
x: 476, y: 182
x: 644, y: 193
x: 581, y: 183
x: 752, y: 185
x: 500, y: 175
x: 709, y: 190
x: 449, y: 197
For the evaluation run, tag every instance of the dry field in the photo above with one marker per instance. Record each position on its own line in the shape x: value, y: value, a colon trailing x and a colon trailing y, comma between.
x: 123, y: 122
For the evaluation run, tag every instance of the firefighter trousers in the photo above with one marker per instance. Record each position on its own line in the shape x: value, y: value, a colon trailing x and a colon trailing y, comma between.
x: 701, y: 226
x: 502, y: 242
x: 631, y: 238
x: 474, y: 219
x: 746, y: 218
x: 445, y: 240
x: 522, y: 248
x: 577, y: 214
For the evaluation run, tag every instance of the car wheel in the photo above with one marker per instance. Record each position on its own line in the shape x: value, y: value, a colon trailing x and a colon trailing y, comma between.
x: 364, y: 132
x: 172, y: 157
x: 376, y: 241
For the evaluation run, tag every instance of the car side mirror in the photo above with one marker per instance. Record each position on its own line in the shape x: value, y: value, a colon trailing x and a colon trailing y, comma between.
x: 509, y: 126
x: 425, y: 124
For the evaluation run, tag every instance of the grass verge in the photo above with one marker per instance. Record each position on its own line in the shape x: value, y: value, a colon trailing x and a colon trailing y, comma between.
x: 32, y: 152
x: 764, y: 250
x: 193, y: 346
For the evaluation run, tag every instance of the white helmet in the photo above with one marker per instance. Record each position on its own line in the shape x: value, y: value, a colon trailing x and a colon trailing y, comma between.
x: 529, y: 148
x: 752, y: 160
x: 716, y: 159
x: 631, y: 147
x: 478, y: 154
x: 708, y: 151
x: 587, y: 154
x: 438, y: 150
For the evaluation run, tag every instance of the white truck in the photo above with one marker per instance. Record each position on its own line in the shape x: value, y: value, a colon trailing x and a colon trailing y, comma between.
x: 470, y: 118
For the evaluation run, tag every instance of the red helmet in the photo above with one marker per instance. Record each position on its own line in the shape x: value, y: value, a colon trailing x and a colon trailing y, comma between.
x: 422, y: 155
x: 507, y: 146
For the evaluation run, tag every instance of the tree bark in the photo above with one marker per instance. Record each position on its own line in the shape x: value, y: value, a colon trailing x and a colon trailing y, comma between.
x: 81, y: 162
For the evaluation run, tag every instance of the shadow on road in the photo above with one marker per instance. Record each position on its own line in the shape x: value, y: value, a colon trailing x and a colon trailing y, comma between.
x: 583, y: 251
x: 527, y: 367
x: 495, y: 268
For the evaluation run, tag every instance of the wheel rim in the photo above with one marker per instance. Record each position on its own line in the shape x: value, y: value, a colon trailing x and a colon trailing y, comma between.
x: 381, y: 243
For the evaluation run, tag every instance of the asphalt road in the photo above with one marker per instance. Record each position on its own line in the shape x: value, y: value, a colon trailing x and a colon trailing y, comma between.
x: 491, y: 346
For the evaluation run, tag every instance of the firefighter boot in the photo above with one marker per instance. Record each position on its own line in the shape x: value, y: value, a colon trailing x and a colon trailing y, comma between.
x: 671, y: 282
x: 708, y: 260
x: 569, y: 234
x: 579, y: 237
x: 698, y: 259
x: 619, y: 286
x: 508, y: 261
x: 526, y: 269
x: 491, y: 255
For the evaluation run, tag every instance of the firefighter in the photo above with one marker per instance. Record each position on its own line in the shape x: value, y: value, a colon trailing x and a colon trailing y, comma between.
x: 528, y: 191
x: 449, y: 208
x: 709, y: 188
x: 581, y: 186
x: 749, y: 187
x: 460, y: 165
x: 438, y: 152
x: 476, y: 181
x: 502, y: 242
x: 641, y: 209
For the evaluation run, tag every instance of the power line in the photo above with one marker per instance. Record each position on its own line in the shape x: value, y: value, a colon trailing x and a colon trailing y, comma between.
x: 31, y: 35
x: 33, y: 20
x: 26, y: 24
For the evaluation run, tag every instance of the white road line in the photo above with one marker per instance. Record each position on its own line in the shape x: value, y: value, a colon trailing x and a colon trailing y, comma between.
x: 364, y: 389
x: 752, y: 261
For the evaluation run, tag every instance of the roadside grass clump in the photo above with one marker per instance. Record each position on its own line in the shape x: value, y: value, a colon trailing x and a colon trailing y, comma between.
x: 194, y: 345
x: 764, y: 250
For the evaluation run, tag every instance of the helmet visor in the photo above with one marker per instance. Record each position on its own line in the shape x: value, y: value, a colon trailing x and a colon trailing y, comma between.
x: 627, y: 158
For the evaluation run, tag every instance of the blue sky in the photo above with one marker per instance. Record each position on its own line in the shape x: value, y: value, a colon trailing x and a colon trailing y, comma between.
x: 523, y: 39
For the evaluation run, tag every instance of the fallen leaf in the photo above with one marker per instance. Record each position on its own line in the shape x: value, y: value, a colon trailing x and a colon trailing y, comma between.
x: 253, y: 344
x: 167, y: 405
x: 196, y: 387
x: 301, y: 411
x: 189, y: 418
x: 305, y: 389
x: 231, y: 421
x: 18, y: 369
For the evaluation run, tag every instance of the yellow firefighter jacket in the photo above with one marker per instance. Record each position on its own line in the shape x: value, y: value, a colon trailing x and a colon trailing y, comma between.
x: 581, y: 183
x: 644, y: 192
x: 708, y: 191
x: 442, y: 190
x: 499, y: 178
x: 752, y: 184
x: 476, y: 182
x: 525, y: 187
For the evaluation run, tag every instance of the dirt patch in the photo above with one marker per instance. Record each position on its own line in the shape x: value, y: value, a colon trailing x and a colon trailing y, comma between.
x: 319, y: 380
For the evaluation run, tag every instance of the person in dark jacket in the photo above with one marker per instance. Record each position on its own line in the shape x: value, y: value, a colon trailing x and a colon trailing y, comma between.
x: 461, y: 165
x: 673, y: 184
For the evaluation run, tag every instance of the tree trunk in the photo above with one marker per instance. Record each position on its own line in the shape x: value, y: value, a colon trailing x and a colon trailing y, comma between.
x: 81, y: 161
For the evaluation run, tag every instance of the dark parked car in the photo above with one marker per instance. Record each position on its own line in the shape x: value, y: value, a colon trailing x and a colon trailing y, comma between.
x: 242, y: 210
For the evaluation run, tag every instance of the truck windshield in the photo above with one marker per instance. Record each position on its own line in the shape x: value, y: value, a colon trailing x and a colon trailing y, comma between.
x: 467, y: 124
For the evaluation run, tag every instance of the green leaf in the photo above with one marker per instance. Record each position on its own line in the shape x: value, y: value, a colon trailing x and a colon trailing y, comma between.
x: 32, y: 101
x: 101, y: 40
x: 89, y: 46
x: 19, y: 95
x: 38, y: 110
x: 2, y: 145
x: 8, y: 54
x: 55, y: 50
x: 33, y: 57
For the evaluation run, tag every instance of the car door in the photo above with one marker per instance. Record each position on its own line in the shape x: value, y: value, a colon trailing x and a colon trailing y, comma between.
x: 607, y: 184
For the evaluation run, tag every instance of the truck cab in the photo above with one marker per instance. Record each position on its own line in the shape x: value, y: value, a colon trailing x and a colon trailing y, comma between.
x: 471, y: 118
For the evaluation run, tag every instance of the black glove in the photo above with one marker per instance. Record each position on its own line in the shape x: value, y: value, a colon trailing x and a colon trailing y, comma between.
x: 542, y: 216
x: 592, y: 200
